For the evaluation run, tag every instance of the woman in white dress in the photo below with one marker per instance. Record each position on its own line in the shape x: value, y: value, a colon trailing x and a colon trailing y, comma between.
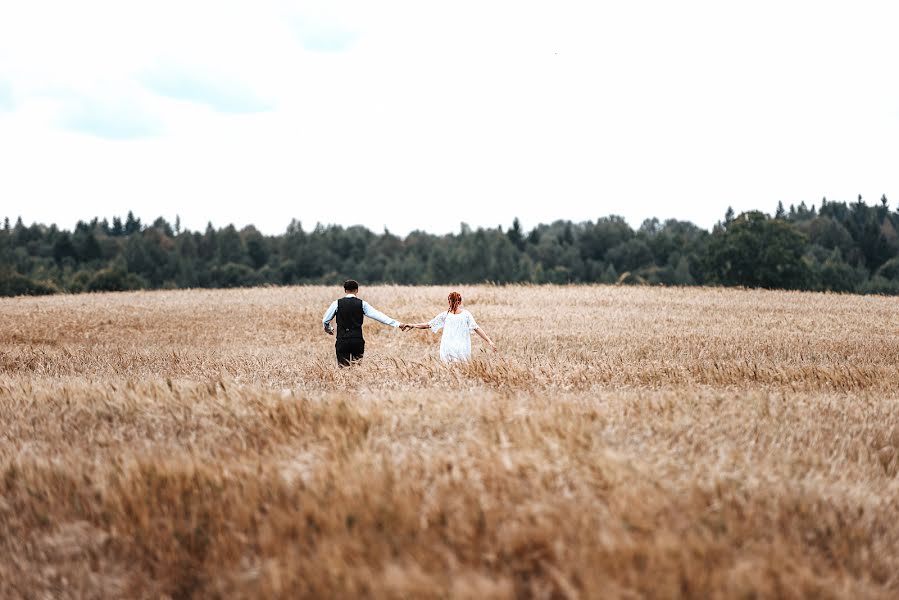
x: 457, y: 324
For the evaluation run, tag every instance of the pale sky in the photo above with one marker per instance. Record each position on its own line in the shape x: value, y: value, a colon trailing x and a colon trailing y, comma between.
x: 422, y: 115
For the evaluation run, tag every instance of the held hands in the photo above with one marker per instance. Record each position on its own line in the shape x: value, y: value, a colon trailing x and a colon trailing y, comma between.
x: 408, y: 326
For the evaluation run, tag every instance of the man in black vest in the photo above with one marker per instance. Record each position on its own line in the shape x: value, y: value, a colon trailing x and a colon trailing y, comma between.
x: 350, y: 311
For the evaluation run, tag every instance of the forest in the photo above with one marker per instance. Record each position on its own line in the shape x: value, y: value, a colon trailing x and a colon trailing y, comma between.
x: 835, y: 246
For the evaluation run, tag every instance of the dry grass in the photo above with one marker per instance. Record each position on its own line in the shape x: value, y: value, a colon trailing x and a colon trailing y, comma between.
x: 625, y: 443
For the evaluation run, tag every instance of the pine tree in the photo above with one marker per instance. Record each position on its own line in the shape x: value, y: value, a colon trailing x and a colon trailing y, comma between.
x: 132, y: 225
x: 568, y: 235
x: 781, y: 212
x: 90, y: 248
x: 515, y: 234
x: 163, y: 226
x: 6, y: 224
x: 177, y: 224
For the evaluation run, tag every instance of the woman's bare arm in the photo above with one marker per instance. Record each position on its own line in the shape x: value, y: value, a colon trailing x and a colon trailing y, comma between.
x: 486, y: 338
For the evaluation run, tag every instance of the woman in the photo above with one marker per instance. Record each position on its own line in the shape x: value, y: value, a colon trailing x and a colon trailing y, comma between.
x: 457, y: 325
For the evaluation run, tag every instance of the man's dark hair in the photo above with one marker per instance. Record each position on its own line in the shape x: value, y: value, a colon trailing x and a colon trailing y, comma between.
x: 351, y: 285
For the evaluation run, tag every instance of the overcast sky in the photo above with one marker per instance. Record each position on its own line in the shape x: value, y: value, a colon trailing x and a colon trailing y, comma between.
x: 421, y: 115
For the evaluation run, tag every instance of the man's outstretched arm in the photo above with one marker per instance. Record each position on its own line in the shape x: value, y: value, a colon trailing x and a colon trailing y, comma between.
x: 373, y: 313
x: 329, y: 316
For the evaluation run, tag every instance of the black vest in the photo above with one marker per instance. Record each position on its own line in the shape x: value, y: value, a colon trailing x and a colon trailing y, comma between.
x: 349, y: 318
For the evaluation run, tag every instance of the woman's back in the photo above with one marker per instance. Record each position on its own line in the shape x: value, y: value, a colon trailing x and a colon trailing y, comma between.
x: 456, y: 341
x: 457, y: 325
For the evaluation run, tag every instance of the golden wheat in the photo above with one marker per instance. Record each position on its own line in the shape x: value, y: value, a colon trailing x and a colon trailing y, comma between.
x: 625, y: 442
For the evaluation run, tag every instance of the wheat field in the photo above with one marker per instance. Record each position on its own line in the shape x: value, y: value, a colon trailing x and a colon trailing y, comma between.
x: 625, y: 442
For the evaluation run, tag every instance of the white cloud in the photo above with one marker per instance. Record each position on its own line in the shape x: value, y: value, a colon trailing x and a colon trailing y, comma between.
x: 219, y: 93
x: 420, y: 115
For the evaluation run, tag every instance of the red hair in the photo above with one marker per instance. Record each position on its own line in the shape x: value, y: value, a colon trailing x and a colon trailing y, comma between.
x: 455, y: 299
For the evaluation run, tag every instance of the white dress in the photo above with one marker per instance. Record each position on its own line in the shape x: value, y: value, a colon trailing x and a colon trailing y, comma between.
x: 456, y: 341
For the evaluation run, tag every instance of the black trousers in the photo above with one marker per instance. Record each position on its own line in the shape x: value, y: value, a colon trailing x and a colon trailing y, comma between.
x: 349, y: 350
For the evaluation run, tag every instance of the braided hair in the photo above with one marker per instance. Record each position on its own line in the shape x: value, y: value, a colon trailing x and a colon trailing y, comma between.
x: 455, y: 299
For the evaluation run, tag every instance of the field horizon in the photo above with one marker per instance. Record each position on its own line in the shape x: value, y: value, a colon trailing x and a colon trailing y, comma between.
x: 624, y: 442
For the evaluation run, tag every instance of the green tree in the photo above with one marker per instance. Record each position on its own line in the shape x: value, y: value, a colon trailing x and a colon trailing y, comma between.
x: 132, y: 224
x: 63, y: 247
x: 608, y: 232
x: 89, y: 248
x: 756, y: 251
x: 162, y: 225
x: 230, y: 246
x: 516, y: 235
x: 839, y: 276
x: 114, y: 279
x: 829, y: 233
x: 16, y: 284
x: 257, y: 249
x: 117, y: 227
x: 630, y: 255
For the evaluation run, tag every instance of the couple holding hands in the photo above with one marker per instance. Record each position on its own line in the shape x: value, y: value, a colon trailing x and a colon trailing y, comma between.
x: 456, y: 323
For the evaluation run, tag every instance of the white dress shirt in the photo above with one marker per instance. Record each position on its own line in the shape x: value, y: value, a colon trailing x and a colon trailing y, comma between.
x: 367, y: 309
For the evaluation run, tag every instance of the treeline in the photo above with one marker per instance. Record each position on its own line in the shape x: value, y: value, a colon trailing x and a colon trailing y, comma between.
x: 838, y: 246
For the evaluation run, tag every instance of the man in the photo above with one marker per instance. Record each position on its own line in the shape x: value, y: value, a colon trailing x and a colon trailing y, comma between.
x: 350, y: 310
